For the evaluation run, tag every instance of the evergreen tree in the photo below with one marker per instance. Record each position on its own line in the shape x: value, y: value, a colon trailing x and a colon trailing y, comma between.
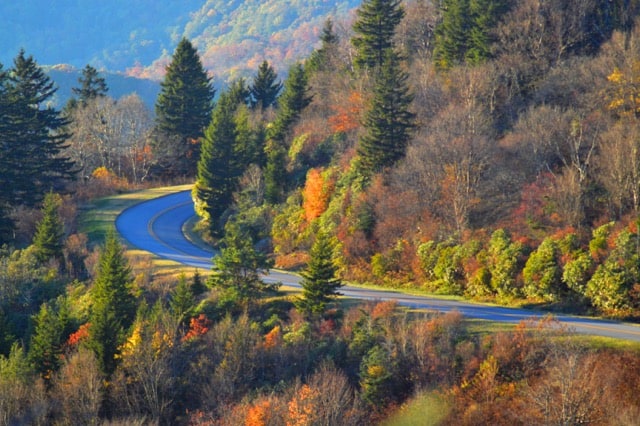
x: 320, y: 58
x: 319, y: 284
x: 49, y: 236
x: 265, y: 88
x: 197, y: 286
x: 182, y: 299
x: 238, y: 266
x: 388, y: 121
x: 8, y: 163
x: 375, y: 27
x: 465, y: 32
x: 183, y: 110
x: 452, y: 34
x: 45, y: 349
x: 92, y: 85
x: 35, y: 137
x: 292, y: 101
x: 218, y: 168
x: 114, y: 305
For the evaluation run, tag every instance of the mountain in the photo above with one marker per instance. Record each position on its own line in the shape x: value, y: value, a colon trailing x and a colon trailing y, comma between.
x: 138, y: 37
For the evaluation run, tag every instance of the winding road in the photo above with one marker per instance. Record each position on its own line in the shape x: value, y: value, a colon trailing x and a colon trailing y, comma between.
x: 157, y: 225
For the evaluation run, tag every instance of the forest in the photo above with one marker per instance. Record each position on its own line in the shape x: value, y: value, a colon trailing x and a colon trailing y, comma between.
x: 485, y: 149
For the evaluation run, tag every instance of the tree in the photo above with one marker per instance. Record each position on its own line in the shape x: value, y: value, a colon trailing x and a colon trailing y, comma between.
x: 182, y: 299
x: 114, y: 305
x: 238, y: 266
x: 183, y: 110
x: 35, y: 136
x: 375, y: 26
x: 388, y: 121
x: 320, y: 59
x: 292, y: 101
x: 91, y: 85
x: 319, y: 283
x: 265, y: 88
x: 45, y: 349
x: 465, y: 31
x: 219, y: 166
x: 50, y: 231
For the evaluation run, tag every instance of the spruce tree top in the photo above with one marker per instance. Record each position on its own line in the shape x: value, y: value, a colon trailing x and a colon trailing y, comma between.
x: 91, y: 85
x: 184, y: 104
x: 265, y: 88
x: 375, y: 28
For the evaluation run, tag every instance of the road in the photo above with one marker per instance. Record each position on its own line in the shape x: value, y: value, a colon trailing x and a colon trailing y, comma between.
x: 156, y: 226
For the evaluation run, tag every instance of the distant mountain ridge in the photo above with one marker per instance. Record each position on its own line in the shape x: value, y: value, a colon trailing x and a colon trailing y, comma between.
x: 138, y: 37
x: 66, y: 78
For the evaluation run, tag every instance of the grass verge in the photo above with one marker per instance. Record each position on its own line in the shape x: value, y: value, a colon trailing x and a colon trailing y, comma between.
x: 99, y: 216
x: 424, y: 409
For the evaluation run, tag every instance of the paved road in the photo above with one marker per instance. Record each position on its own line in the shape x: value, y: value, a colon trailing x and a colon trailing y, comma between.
x: 156, y: 226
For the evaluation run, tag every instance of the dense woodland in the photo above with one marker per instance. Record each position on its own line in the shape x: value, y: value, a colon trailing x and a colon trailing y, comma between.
x: 481, y: 148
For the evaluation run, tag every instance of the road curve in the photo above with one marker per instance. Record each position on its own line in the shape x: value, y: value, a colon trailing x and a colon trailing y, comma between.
x: 156, y: 226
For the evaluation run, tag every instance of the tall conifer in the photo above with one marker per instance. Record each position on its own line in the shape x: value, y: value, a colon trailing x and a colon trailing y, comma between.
x: 388, y: 121
x: 265, y: 87
x: 36, y: 135
x: 294, y: 99
x: 319, y: 284
x: 218, y: 170
x: 375, y: 28
x: 114, y: 305
x: 183, y: 110
x: 92, y: 85
x: 49, y: 236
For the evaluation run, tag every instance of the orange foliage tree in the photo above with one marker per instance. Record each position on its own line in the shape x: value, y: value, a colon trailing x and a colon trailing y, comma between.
x: 317, y: 191
x: 347, y: 115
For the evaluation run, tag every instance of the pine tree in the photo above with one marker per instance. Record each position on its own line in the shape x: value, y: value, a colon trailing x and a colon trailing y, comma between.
x: 182, y: 299
x: 45, y: 349
x: 265, y: 88
x: 388, y: 121
x: 49, y: 236
x: 183, y: 110
x: 218, y: 168
x: 375, y: 27
x: 238, y: 266
x: 8, y: 169
x: 36, y: 135
x: 92, y: 85
x: 319, y: 284
x: 452, y: 34
x: 465, y: 32
x: 291, y: 103
x: 114, y: 305
x: 320, y: 58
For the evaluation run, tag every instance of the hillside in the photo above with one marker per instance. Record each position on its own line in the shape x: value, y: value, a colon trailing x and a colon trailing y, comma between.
x: 138, y: 37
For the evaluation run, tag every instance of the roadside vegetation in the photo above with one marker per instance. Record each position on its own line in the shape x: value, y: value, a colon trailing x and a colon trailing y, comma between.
x: 483, y: 150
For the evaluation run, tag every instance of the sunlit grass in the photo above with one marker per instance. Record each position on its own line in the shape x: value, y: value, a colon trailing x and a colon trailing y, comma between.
x: 424, y: 409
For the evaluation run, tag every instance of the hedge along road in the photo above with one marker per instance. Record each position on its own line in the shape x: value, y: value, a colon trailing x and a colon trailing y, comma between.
x: 157, y: 225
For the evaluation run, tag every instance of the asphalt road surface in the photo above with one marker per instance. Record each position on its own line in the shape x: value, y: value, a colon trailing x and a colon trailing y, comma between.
x: 156, y: 226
